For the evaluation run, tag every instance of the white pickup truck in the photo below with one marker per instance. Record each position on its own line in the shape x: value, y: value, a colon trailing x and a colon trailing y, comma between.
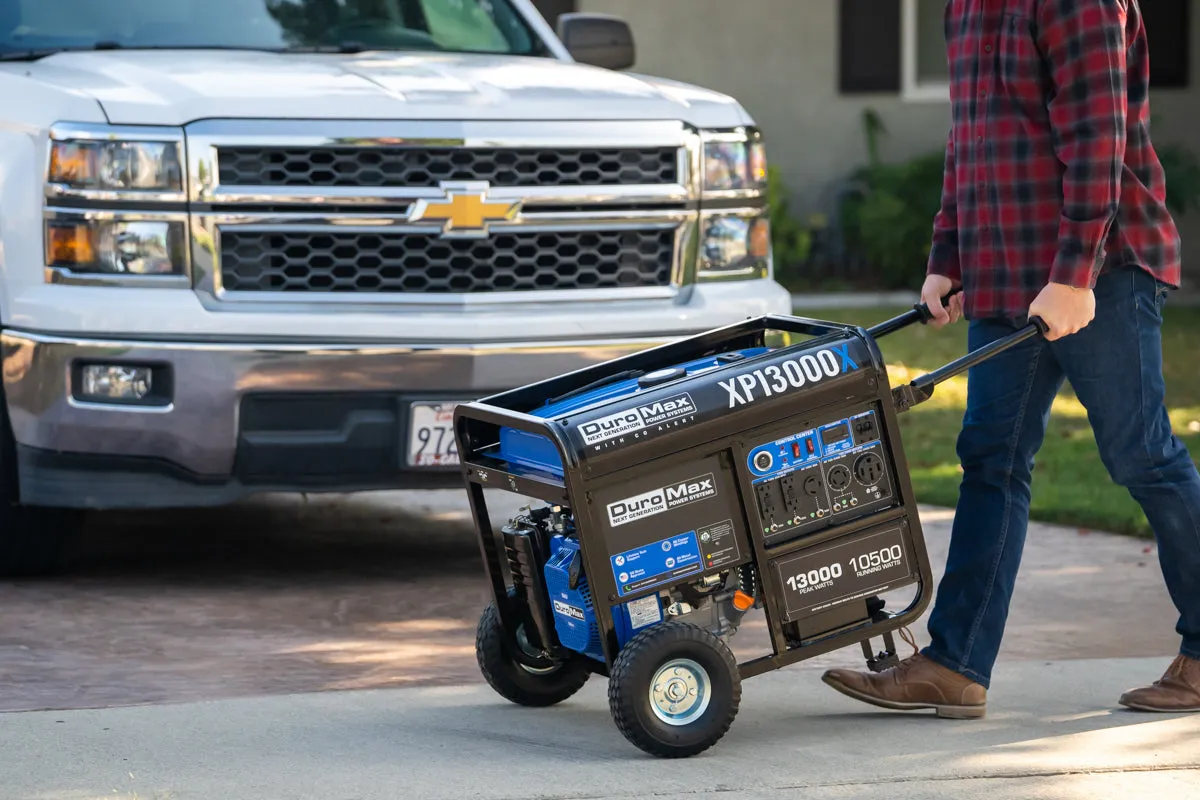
x: 265, y: 245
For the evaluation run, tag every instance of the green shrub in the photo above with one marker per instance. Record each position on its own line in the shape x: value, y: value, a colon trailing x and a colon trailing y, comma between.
x: 791, y: 242
x: 888, y: 218
x: 1183, y: 178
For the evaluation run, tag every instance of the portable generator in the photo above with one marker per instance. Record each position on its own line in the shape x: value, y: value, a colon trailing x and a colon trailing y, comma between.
x: 757, y: 465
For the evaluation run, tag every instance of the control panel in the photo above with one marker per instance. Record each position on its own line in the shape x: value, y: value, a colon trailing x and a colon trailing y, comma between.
x: 825, y: 475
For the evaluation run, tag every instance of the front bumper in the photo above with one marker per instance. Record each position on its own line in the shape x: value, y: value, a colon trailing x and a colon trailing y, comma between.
x: 250, y: 418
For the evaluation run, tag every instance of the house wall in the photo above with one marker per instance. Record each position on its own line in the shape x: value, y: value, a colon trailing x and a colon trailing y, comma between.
x: 779, y: 58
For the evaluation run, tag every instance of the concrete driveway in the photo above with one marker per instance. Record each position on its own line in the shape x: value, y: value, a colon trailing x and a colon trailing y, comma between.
x: 236, y: 625
x: 285, y: 596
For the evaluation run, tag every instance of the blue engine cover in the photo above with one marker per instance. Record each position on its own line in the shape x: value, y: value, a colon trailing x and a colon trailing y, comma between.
x: 574, y: 612
x: 537, y: 452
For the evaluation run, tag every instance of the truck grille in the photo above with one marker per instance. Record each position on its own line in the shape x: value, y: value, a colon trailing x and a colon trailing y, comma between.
x: 427, y: 167
x: 420, y: 263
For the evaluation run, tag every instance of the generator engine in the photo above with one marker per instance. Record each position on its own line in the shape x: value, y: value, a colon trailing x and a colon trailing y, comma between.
x: 546, y: 563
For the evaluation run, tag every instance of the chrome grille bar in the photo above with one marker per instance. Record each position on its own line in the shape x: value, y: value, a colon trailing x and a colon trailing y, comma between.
x: 319, y: 211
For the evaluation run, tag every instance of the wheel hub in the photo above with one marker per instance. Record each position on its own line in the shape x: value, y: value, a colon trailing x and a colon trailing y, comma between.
x: 680, y: 691
x: 531, y: 653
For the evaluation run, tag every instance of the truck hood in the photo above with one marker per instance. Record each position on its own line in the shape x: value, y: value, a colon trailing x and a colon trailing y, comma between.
x: 176, y: 87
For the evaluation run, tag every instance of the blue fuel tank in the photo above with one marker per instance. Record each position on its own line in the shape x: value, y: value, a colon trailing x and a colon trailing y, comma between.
x: 529, y: 450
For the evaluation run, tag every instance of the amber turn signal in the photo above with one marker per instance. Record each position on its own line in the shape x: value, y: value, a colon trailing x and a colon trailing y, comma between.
x: 73, y: 163
x: 70, y: 245
x: 760, y: 238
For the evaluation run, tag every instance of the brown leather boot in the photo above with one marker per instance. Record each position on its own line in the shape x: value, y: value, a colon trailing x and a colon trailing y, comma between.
x: 1177, y: 690
x: 917, y: 683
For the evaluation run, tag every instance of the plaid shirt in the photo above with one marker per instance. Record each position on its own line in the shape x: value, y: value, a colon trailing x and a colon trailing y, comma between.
x: 1050, y: 174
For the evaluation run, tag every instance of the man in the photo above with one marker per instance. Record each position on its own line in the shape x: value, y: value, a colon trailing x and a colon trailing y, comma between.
x: 1053, y: 206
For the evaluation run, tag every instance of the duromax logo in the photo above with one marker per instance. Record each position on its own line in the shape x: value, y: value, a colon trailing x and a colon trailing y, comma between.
x: 662, y: 499
x: 637, y: 418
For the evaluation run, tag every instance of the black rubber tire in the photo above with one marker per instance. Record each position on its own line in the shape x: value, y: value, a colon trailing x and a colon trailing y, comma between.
x: 629, y: 690
x: 494, y: 650
x: 32, y: 540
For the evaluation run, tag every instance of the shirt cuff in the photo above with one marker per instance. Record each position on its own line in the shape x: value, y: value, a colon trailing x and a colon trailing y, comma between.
x: 943, y: 260
x: 1080, y: 255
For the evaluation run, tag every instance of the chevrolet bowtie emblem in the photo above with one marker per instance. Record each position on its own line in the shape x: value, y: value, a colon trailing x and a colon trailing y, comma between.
x: 466, y: 211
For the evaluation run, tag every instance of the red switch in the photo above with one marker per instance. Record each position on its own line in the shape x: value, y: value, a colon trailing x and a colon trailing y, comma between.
x: 796, y: 449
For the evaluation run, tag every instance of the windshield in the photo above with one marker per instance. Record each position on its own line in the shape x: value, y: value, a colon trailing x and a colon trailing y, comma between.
x: 483, y: 26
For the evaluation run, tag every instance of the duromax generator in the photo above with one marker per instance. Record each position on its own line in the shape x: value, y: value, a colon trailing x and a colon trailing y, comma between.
x: 753, y: 466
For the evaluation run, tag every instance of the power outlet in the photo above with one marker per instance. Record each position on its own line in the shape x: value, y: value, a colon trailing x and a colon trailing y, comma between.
x: 771, y: 502
x: 787, y: 485
x: 868, y: 469
x: 838, y: 477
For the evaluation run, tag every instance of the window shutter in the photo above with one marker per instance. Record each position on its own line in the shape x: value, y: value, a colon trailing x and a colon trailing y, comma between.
x: 550, y: 9
x: 869, y: 45
x: 1168, y: 31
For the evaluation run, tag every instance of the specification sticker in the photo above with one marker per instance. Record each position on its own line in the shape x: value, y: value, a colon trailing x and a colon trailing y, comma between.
x: 661, y: 562
x: 643, y: 612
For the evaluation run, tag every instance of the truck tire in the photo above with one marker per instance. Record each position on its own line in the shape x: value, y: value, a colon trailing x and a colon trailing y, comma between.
x: 512, y: 679
x: 32, y: 539
x: 674, y: 690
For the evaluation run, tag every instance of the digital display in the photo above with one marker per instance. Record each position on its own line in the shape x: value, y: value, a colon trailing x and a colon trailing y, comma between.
x: 835, y: 433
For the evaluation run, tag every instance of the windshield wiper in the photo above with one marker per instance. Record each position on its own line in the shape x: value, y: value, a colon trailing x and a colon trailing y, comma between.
x: 33, y: 54
x: 341, y: 47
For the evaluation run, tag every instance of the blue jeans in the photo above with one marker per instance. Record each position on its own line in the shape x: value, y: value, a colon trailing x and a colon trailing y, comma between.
x: 1115, y: 367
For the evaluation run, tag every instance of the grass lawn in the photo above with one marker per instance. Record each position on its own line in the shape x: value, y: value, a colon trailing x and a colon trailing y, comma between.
x: 1070, y: 485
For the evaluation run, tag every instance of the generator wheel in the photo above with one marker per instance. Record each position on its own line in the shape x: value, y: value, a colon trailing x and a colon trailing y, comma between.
x: 674, y: 690
x: 518, y: 680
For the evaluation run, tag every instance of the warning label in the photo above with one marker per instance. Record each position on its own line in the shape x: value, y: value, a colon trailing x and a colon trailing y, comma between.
x: 719, y: 544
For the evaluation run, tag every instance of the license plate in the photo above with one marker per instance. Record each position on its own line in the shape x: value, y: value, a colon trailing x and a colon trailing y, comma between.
x: 431, y: 435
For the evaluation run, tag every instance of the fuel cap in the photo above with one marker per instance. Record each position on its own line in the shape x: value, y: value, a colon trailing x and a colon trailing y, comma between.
x: 661, y: 376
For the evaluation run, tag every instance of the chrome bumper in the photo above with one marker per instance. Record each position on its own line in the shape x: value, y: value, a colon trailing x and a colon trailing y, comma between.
x: 187, y: 453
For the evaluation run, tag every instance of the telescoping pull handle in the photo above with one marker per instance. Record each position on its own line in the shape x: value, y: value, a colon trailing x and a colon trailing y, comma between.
x: 920, y: 313
x: 921, y: 388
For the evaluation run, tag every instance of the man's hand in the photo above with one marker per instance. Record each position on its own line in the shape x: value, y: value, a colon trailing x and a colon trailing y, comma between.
x: 936, y: 287
x: 1064, y: 309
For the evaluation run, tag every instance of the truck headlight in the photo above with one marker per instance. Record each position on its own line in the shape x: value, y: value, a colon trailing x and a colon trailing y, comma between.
x: 734, y: 161
x: 735, y: 246
x: 116, y: 247
x: 116, y: 165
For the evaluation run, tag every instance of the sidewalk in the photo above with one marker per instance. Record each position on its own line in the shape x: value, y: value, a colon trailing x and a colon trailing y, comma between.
x: 1052, y: 732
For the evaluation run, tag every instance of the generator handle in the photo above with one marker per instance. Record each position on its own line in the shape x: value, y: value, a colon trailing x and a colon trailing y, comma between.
x: 921, y: 388
x: 920, y: 313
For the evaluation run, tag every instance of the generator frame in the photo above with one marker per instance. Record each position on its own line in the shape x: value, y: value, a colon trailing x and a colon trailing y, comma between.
x: 477, y: 426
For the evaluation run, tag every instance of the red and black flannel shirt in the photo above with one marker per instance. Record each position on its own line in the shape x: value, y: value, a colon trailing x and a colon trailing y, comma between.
x: 1050, y: 174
